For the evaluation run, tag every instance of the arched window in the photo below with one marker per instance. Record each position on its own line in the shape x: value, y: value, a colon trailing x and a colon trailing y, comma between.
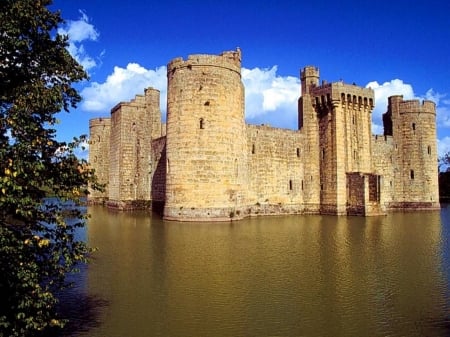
x: 202, y: 123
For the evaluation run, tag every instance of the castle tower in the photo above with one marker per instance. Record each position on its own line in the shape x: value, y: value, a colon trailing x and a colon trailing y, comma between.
x: 133, y: 124
x: 413, y: 127
x: 99, y: 133
x: 308, y: 123
x: 336, y: 119
x: 206, y: 139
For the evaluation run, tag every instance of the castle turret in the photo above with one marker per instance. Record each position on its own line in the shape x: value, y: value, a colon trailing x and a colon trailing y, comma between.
x: 133, y: 126
x: 206, y: 143
x: 336, y: 120
x: 99, y: 133
x: 308, y: 122
x: 413, y: 126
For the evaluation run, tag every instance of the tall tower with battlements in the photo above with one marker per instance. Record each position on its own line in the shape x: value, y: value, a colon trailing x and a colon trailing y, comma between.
x: 133, y: 126
x: 412, y: 124
x: 308, y: 123
x: 206, y: 139
x: 336, y: 120
x: 99, y: 142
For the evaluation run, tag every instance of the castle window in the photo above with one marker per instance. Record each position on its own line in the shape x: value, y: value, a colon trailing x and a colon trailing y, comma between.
x: 253, y: 148
x: 429, y: 149
x: 411, y: 174
x: 414, y: 126
x: 298, y: 152
x: 202, y: 123
x: 302, y: 185
x: 290, y: 185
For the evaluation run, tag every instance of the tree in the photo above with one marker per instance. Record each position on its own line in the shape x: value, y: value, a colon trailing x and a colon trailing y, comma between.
x: 38, y: 246
x: 444, y: 177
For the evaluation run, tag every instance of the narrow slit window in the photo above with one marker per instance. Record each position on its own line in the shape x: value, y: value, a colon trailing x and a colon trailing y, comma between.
x: 253, y: 148
x: 411, y: 174
x: 429, y: 150
x: 298, y: 152
x: 290, y: 185
x: 202, y: 123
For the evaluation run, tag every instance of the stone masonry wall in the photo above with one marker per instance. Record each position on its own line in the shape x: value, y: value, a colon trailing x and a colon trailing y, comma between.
x: 159, y: 169
x: 99, y: 141
x: 275, y: 169
x: 383, y: 154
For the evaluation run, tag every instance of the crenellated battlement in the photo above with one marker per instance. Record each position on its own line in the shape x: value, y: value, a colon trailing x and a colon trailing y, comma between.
x: 150, y: 94
x: 229, y: 59
x: 97, y: 122
x: 346, y: 94
x: 418, y: 106
x: 396, y: 103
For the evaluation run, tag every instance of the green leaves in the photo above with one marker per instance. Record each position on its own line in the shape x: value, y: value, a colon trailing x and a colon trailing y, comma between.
x: 37, y: 233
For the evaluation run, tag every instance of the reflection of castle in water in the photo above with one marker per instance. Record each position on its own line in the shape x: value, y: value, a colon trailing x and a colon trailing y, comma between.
x: 280, y: 276
x: 208, y: 164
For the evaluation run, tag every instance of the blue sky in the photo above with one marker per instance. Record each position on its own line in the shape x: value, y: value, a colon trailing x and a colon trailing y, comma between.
x: 395, y: 47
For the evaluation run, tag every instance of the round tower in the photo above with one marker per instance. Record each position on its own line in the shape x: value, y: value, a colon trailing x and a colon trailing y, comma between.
x: 419, y: 169
x: 206, y: 139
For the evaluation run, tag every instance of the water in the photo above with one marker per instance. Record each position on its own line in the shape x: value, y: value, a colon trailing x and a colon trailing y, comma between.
x: 272, y: 276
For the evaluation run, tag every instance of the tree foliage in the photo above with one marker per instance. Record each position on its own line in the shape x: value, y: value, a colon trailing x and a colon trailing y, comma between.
x: 38, y: 246
x: 444, y: 177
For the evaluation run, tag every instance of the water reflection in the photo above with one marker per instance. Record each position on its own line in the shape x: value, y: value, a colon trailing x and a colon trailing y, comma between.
x: 277, y: 276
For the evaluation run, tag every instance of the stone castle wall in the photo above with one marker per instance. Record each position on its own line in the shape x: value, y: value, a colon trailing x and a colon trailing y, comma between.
x: 275, y: 169
x: 205, y: 163
x: 99, y: 142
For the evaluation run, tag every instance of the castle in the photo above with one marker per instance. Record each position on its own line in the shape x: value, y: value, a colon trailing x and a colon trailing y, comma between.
x: 206, y: 164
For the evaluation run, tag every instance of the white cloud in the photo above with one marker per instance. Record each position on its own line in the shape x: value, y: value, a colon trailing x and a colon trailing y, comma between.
x: 443, y: 145
x: 82, y: 151
x: 442, y: 107
x: 382, y: 92
x: 122, y: 85
x: 270, y: 98
x: 78, y: 31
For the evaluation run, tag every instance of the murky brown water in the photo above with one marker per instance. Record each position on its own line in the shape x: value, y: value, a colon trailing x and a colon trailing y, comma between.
x: 276, y: 276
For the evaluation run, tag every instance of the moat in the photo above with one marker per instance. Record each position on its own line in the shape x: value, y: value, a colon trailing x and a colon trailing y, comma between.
x: 271, y: 276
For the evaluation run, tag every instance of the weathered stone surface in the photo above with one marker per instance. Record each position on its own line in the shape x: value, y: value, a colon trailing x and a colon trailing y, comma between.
x: 205, y: 163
